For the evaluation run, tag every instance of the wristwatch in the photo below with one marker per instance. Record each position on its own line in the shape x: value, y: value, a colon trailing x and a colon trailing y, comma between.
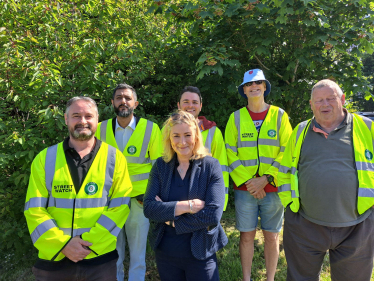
x: 270, y: 179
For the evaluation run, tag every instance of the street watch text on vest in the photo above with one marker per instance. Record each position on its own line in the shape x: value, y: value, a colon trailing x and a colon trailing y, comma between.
x: 249, y: 152
x: 55, y: 213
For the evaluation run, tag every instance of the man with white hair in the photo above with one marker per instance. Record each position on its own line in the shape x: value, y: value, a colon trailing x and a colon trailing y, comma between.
x: 327, y: 184
x: 77, y: 201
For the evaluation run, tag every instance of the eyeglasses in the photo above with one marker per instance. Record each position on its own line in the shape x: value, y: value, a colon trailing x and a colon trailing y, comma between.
x: 259, y: 82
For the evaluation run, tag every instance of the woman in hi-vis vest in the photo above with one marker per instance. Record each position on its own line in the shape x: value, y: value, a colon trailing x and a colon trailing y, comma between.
x: 256, y: 136
x: 184, y: 202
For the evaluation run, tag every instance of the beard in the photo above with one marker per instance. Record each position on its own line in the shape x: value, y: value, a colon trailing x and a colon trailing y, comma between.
x: 124, y: 112
x: 81, y: 136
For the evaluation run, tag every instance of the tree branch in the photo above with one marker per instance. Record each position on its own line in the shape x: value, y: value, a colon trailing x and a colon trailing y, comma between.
x: 263, y: 66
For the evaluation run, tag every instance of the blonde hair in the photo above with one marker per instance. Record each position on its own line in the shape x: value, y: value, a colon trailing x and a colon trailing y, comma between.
x: 182, y: 117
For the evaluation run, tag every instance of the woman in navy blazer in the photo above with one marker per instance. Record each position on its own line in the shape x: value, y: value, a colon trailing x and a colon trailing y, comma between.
x: 184, y: 202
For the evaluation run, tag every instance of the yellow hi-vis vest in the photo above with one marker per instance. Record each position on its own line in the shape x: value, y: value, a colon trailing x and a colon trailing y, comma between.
x: 141, y: 151
x: 363, y: 136
x: 55, y: 212
x: 213, y: 141
x: 249, y: 152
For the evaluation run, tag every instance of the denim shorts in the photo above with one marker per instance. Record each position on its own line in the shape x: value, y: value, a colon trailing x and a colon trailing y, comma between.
x: 248, y: 209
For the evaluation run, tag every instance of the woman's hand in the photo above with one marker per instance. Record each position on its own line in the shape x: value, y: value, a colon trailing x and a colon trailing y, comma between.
x: 197, y: 205
x: 158, y: 199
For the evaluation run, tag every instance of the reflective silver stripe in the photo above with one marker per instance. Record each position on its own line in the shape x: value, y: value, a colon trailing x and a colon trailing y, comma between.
x: 50, y: 164
x: 284, y: 169
x: 284, y: 187
x: 209, y: 138
x: 82, y: 203
x: 367, y: 121
x: 246, y: 143
x: 276, y: 164
x: 137, y: 160
x: 109, y: 171
x: 293, y: 194
x: 249, y: 163
x: 268, y: 142
x: 266, y: 160
x: 282, y: 149
x: 279, y: 121
x: 226, y: 190
x: 110, y: 225
x: 42, y: 228
x: 365, y: 192
x: 139, y: 177
x: 153, y: 162
x: 146, y: 139
x: 103, y: 128
x: 67, y: 231
x: 36, y: 202
x: 79, y: 231
x: 237, y: 123
x: 235, y: 164
x: 224, y: 168
x: 364, y: 166
x: 302, y: 125
x: 118, y: 202
x: 233, y: 148
x: 293, y: 170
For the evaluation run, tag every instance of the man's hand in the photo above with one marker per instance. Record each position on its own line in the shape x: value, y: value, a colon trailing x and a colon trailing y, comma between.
x: 256, y: 186
x: 75, y: 249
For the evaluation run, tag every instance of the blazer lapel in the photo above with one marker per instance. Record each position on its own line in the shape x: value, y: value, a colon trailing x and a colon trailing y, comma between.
x: 167, y: 184
x: 194, y: 180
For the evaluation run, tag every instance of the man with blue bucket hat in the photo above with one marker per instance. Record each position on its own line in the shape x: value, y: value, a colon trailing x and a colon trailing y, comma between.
x: 256, y: 136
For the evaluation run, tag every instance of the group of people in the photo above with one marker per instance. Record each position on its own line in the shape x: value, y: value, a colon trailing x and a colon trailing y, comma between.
x: 115, y: 181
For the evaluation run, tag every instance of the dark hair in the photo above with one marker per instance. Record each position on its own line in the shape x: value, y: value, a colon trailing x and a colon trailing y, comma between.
x: 125, y: 86
x: 191, y: 89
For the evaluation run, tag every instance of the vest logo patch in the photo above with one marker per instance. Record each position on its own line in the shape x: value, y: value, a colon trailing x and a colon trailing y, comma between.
x: 272, y: 133
x: 63, y: 188
x: 131, y: 150
x: 91, y: 188
x: 247, y: 135
x: 368, y: 155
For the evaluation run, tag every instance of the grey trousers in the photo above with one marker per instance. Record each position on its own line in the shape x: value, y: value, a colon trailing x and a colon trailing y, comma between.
x: 351, y: 249
x: 78, y: 272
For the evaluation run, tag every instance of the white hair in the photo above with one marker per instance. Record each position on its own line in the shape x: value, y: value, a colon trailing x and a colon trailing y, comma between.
x: 328, y: 83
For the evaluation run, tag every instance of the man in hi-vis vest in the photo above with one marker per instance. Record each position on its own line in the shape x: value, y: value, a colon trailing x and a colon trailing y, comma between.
x: 77, y: 201
x: 140, y: 142
x: 190, y: 100
x: 326, y: 183
x: 256, y: 136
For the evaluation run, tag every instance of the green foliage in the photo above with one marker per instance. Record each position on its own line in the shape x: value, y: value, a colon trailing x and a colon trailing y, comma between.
x: 54, y: 50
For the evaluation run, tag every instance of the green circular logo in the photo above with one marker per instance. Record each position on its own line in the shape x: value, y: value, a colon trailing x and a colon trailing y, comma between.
x: 91, y: 188
x: 131, y: 150
x: 272, y: 133
x: 368, y: 155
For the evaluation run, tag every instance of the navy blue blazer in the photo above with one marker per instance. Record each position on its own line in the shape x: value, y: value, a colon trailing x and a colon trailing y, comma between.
x: 206, y: 183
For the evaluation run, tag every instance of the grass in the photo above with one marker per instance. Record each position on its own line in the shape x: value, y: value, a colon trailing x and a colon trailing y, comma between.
x: 228, y: 260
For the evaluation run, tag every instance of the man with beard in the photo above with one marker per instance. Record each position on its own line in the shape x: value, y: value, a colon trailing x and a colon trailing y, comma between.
x: 74, y: 209
x: 190, y: 100
x: 140, y: 142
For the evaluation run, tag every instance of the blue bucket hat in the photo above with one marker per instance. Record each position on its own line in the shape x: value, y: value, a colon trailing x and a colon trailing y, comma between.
x: 254, y: 75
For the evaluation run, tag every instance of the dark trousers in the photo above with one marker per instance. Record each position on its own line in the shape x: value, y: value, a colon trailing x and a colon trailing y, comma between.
x: 351, y: 249
x: 186, y: 269
x: 77, y: 272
